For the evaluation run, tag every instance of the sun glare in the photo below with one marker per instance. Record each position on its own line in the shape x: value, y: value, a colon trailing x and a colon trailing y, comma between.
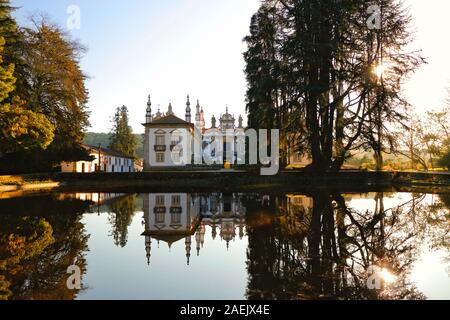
x: 380, y: 70
x: 387, y: 276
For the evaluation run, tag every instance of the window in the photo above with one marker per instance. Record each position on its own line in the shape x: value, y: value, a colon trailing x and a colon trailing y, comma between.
x: 160, y: 218
x: 175, y: 218
x: 227, y: 206
x: 160, y: 157
x: 160, y: 140
x: 176, y: 200
x: 160, y: 200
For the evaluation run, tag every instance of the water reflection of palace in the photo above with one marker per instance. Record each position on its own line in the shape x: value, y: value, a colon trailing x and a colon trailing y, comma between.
x: 172, y: 217
x: 299, y: 204
x: 317, y: 246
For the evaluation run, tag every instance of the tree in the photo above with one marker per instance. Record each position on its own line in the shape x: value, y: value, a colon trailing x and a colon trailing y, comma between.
x: 410, y: 142
x: 323, y: 62
x: 20, y: 129
x: 52, y: 84
x: 431, y: 142
x: 30, y: 238
x: 440, y: 123
x: 426, y: 139
x: 324, y: 249
x: 122, y: 138
x: 438, y: 133
x: 41, y: 273
x: 121, y: 217
x: 56, y: 82
x: 23, y: 129
x: 7, y: 79
x: 10, y: 32
x: 268, y: 76
x: 444, y: 161
x: 260, y: 71
x: 44, y: 118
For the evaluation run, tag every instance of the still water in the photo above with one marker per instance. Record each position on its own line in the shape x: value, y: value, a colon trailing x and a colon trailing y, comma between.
x: 226, y: 246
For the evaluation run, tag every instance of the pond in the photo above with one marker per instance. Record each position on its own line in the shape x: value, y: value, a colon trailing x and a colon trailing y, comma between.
x: 225, y: 246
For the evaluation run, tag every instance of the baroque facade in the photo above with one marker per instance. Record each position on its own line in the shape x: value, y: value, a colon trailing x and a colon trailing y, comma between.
x: 173, y: 142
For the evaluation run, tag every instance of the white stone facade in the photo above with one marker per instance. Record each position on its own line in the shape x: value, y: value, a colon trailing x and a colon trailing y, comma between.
x: 173, y: 142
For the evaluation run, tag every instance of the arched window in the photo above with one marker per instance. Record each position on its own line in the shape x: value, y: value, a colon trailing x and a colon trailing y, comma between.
x: 160, y: 138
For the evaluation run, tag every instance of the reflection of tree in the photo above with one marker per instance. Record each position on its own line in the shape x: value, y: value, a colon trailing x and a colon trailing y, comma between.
x: 120, y: 218
x: 445, y: 200
x: 438, y: 218
x: 29, y: 239
x: 388, y: 239
x: 43, y: 274
x: 330, y: 254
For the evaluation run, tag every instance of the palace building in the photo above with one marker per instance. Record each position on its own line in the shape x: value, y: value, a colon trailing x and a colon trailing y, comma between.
x: 172, y: 142
x: 174, y: 217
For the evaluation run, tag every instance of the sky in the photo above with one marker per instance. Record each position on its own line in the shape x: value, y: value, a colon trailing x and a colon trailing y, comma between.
x: 169, y: 49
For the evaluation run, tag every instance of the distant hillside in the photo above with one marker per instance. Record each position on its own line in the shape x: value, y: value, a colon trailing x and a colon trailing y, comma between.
x: 94, y: 139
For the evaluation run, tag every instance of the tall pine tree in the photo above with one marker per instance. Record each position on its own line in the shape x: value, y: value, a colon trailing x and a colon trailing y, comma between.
x: 122, y: 138
x: 312, y: 65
